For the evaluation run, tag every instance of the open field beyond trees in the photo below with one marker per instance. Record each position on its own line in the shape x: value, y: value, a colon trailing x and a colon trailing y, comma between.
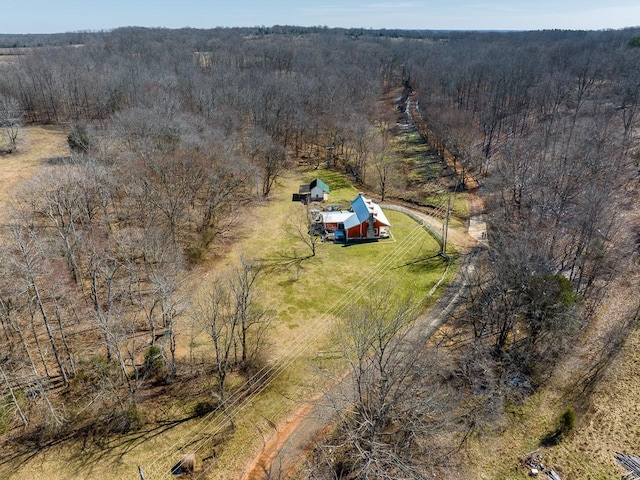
x: 38, y: 145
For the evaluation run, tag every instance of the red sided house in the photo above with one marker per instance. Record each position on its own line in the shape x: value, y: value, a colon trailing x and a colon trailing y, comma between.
x: 365, y: 221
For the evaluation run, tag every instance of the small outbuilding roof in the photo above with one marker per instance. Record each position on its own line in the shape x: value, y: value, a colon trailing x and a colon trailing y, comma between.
x: 336, y: 217
x: 320, y: 184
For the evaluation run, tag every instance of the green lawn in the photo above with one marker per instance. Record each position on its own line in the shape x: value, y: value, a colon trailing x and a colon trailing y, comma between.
x: 423, y: 168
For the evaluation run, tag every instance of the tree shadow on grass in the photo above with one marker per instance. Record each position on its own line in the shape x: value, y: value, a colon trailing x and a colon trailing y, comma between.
x: 566, y: 425
x: 426, y: 263
x: 288, y: 263
x: 21, y: 449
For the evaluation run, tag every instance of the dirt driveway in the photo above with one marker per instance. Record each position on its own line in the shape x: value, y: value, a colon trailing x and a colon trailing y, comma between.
x: 283, y: 455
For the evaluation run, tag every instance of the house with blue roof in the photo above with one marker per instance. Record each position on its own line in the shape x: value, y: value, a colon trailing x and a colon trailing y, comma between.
x: 364, y: 221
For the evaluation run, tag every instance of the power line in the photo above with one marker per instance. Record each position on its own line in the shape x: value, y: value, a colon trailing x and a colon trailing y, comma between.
x: 272, y: 371
x: 239, y: 400
x: 341, y: 309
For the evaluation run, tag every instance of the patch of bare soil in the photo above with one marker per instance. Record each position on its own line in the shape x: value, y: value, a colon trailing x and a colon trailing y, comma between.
x: 262, y: 465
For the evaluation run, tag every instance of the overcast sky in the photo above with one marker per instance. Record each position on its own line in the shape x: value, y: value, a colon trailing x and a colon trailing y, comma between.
x: 49, y: 16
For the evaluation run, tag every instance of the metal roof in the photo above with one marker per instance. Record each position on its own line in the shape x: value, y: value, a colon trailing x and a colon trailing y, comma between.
x: 362, y: 207
x: 319, y: 183
x: 336, y: 217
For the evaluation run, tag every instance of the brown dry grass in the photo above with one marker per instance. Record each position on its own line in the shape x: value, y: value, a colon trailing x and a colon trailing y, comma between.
x: 607, y: 419
x: 264, y: 222
x: 36, y: 144
x: 261, y: 231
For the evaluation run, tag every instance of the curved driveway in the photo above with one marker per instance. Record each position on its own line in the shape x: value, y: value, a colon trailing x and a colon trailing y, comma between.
x: 284, y: 453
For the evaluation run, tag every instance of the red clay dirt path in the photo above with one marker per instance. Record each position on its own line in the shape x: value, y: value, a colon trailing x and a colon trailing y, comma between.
x: 297, y: 434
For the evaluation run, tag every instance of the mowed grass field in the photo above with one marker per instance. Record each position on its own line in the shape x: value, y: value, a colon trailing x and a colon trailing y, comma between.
x: 307, y: 297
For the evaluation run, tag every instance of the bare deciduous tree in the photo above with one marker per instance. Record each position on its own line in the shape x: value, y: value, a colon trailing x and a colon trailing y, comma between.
x: 398, y: 401
x: 213, y: 311
x: 230, y: 314
x: 10, y: 121
x: 304, y: 227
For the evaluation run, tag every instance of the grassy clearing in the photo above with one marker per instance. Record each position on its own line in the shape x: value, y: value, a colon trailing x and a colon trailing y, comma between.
x: 303, y: 295
x: 587, y: 453
x: 341, y: 191
x: 36, y: 144
x: 424, y: 172
x: 610, y: 423
x: 606, y: 421
x: 460, y: 204
x: 497, y: 454
x: 420, y: 161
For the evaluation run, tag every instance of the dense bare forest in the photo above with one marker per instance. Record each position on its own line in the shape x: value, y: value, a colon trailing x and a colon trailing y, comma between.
x: 174, y: 132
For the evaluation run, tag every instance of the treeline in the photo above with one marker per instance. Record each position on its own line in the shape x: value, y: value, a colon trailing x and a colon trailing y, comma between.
x: 547, y: 123
x: 195, y: 36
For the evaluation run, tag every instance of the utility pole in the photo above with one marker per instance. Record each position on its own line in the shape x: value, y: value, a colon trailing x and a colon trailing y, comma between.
x: 445, y: 228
